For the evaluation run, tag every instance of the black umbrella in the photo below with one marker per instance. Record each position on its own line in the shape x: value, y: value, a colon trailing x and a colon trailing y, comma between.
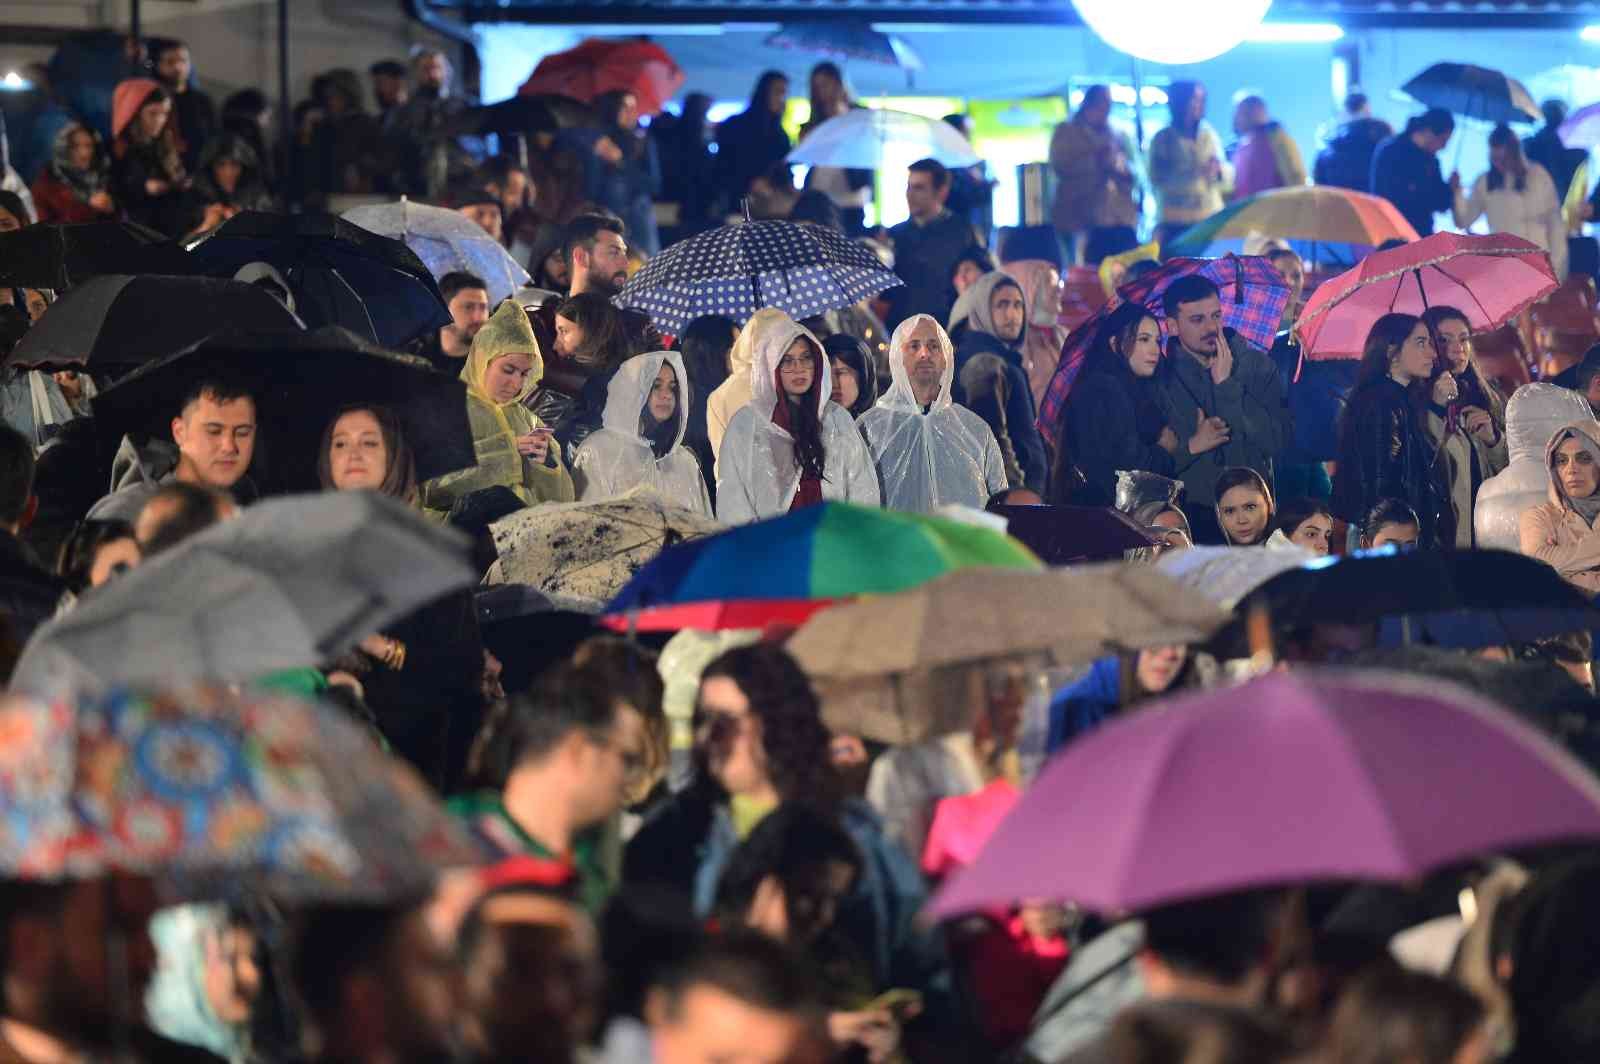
x: 118, y: 322
x: 526, y: 115
x: 340, y: 273
x: 60, y: 256
x: 1473, y: 92
x: 1061, y: 535
x: 300, y: 380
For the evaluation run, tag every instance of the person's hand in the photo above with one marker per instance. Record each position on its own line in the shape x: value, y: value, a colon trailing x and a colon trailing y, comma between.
x: 1168, y: 440
x: 1445, y: 390
x: 375, y: 646
x: 846, y: 751
x: 216, y: 214
x: 70, y: 383
x: 1222, y: 363
x: 340, y: 678
x: 607, y: 151
x: 876, y: 1032
x: 101, y: 201
x: 1209, y: 434
x: 1479, y: 423
x: 155, y: 187
x: 535, y: 445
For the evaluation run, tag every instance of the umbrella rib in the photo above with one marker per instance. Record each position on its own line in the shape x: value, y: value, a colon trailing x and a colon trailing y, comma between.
x: 1465, y: 287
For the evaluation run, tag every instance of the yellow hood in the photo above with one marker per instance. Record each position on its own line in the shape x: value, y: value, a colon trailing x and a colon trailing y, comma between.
x: 507, y: 332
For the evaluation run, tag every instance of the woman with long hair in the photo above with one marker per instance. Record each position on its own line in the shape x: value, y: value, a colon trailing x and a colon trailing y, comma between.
x: 848, y: 190
x: 855, y: 373
x: 1116, y: 684
x: 1519, y: 196
x: 705, y: 344
x: 623, y: 169
x: 1383, y: 445
x: 148, y: 178
x: 1470, y: 432
x: 589, y: 335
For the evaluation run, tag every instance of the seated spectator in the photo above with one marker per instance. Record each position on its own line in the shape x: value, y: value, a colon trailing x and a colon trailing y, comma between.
x: 480, y: 205
x: 1390, y: 523
x: 76, y: 185
x: 1306, y: 523
x: 228, y: 181
x: 176, y: 512
x: 28, y: 593
x: 641, y: 443
x: 1389, y: 1013
x: 997, y: 321
x: 1561, y: 532
x: 148, y: 178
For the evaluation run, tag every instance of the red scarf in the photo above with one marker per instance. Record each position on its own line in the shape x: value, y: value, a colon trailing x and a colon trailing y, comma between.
x: 809, y: 493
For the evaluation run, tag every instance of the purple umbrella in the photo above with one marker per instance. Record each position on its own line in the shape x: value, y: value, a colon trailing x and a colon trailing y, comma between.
x: 1297, y: 777
x: 1581, y: 128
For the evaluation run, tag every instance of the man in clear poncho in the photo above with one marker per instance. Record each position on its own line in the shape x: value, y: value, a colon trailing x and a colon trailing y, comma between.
x: 640, y: 442
x: 515, y: 449
x: 929, y: 451
x: 789, y: 446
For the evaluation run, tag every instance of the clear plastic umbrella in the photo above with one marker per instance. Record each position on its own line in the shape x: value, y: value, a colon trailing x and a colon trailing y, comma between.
x: 445, y: 242
x: 867, y: 138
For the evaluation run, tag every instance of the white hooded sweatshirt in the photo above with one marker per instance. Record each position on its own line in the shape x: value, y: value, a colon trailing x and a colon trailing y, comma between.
x: 1534, y: 414
x: 933, y: 458
x: 616, y: 459
x: 756, y: 472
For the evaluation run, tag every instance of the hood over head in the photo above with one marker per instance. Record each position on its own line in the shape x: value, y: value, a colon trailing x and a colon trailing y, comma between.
x: 629, y: 392
x: 507, y: 332
x: 1587, y: 431
x: 1031, y: 274
x: 743, y: 351
x: 769, y: 345
x: 1534, y: 413
x: 982, y: 291
x: 225, y: 146
x: 900, y: 395
x: 126, y: 100
x: 61, y: 147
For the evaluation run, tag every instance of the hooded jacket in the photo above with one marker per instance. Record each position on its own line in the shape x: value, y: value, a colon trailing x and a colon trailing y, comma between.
x: 931, y: 457
x: 1014, y: 418
x: 1534, y: 413
x: 496, y: 426
x: 1044, y: 334
x: 61, y: 192
x: 1555, y: 533
x: 734, y: 392
x: 1266, y: 158
x: 249, y: 194
x: 1181, y: 173
x: 619, y: 458
x: 756, y: 472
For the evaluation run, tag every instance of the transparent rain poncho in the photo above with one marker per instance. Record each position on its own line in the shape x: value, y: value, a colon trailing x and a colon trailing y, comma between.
x: 1533, y: 415
x: 619, y: 458
x: 927, y: 459
x: 756, y: 472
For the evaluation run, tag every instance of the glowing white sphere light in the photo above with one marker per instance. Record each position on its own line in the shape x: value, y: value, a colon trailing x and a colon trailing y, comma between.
x: 1173, y: 31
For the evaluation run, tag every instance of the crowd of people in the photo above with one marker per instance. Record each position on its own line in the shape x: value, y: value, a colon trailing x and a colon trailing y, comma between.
x: 681, y: 862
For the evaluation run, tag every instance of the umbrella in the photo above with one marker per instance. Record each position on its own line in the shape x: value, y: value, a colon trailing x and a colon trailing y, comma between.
x: 587, y: 551
x: 60, y: 256
x: 1225, y: 575
x: 301, y: 379
x: 828, y: 551
x: 1315, y: 214
x: 445, y: 241
x: 800, y: 269
x: 116, y: 322
x: 1060, y: 535
x: 1298, y: 777
x: 1253, y: 294
x: 523, y: 116
x: 217, y: 795
x: 1491, y: 279
x: 600, y: 66
x: 846, y: 41
x: 289, y: 583
x: 864, y: 138
x: 1581, y: 128
x: 1473, y: 92
x: 340, y: 273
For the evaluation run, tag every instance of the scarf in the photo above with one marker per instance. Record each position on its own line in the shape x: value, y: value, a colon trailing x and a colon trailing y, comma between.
x: 85, y: 184
x: 809, y: 491
x: 661, y: 435
x: 1588, y: 508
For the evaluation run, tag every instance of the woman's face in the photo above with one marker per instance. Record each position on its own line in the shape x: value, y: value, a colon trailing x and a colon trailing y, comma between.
x: 556, y: 271
x: 664, y: 394
x: 80, y: 150
x: 153, y: 118
x: 797, y: 369
x: 1314, y: 534
x: 729, y: 736
x: 1500, y: 157
x: 1159, y: 666
x: 1244, y: 514
x: 1396, y: 534
x: 8, y: 221
x: 1575, y: 468
x: 113, y: 558
x: 506, y: 377
x: 825, y: 89
x: 846, y: 385
x: 357, y: 456
x: 227, y: 173
x: 1144, y: 349
x: 1414, y: 361
x: 1051, y: 299
x: 569, y: 336
x: 628, y: 111
x: 1455, y: 344
x: 966, y: 275
x: 35, y: 303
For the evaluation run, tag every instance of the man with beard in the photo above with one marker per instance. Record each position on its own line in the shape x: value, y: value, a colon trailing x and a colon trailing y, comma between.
x: 193, y: 110
x: 466, y: 296
x: 1213, y: 378
x: 996, y: 319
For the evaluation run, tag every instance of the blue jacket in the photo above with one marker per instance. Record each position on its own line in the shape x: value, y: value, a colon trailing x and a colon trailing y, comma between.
x: 1085, y: 705
x: 1316, y: 402
x: 1020, y: 413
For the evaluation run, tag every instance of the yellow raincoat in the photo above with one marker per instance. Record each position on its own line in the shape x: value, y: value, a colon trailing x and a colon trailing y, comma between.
x: 496, y: 426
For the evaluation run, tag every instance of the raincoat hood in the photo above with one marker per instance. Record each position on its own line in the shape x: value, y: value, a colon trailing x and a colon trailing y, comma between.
x: 1535, y: 413
x: 629, y: 392
x: 226, y: 146
x: 1587, y: 431
x: 507, y: 332
x: 1031, y: 275
x: 972, y: 306
x: 769, y: 346
x: 900, y: 395
x: 126, y: 100
x: 743, y: 351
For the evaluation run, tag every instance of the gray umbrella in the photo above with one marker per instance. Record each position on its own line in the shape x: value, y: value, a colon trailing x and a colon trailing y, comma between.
x: 445, y: 241
x: 289, y: 583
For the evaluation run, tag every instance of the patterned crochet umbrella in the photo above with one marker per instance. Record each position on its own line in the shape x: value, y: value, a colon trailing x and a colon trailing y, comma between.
x: 798, y: 268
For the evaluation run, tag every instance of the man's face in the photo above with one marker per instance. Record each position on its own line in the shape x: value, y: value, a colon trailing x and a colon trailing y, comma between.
x: 514, y: 192
x: 606, y: 267
x: 1007, y: 312
x: 432, y: 72
x: 216, y: 439
x: 922, y: 199
x: 388, y: 89
x: 1199, y: 325
x: 469, y: 310
x: 487, y: 215
x: 710, y: 1026
x: 610, y: 764
x: 1097, y: 112
x: 173, y: 67
x: 924, y: 358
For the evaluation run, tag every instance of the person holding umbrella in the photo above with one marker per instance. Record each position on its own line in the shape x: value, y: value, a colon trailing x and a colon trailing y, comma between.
x: 641, y: 443
x: 1519, y: 196
x: 1405, y: 169
x: 1561, y: 532
x: 515, y: 449
x: 1470, y: 431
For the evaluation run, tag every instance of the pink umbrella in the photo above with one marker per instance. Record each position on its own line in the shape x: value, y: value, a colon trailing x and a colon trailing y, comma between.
x: 1490, y: 278
x: 1299, y: 777
x: 1582, y: 128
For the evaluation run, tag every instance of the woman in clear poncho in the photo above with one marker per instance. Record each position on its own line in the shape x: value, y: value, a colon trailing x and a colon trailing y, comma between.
x: 929, y: 452
x: 641, y: 441
x: 515, y: 449
x: 789, y: 447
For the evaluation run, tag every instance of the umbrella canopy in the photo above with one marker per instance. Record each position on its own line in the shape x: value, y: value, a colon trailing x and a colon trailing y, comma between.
x: 846, y: 41
x: 599, y: 66
x: 1061, y: 535
x: 218, y: 795
x: 828, y: 551
x: 736, y: 270
x: 1297, y: 777
x: 864, y: 138
x: 587, y: 551
x: 1473, y: 92
x: 1490, y: 278
x: 340, y: 273
x: 61, y: 256
x: 445, y: 241
x: 1225, y: 575
x: 1317, y: 214
x: 1581, y: 128
x: 1253, y: 295
x: 287, y: 584
x: 523, y: 115
x: 116, y: 322
x: 301, y: 380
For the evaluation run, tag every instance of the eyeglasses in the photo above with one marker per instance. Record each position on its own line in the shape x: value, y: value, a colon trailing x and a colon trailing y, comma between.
x: 794, y: 365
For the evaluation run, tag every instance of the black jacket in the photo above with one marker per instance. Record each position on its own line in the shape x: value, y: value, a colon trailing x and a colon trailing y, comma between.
x: 1409, y: 178
x: 748, y: 144
x: 1347, y: 160
x: 1018, y: 425
x: 925, y: 257
x: 1109, y: 426
x: 28, y: 594
x: 1384, y: 453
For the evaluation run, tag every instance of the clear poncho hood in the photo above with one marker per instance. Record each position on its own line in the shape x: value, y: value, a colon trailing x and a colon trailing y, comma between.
x: 629, y: 393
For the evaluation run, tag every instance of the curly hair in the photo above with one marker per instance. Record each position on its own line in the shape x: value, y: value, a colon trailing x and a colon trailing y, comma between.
x: 792, y: 733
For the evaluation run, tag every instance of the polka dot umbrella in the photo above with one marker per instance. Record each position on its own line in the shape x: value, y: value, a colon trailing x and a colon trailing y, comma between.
x: 798, y: 268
